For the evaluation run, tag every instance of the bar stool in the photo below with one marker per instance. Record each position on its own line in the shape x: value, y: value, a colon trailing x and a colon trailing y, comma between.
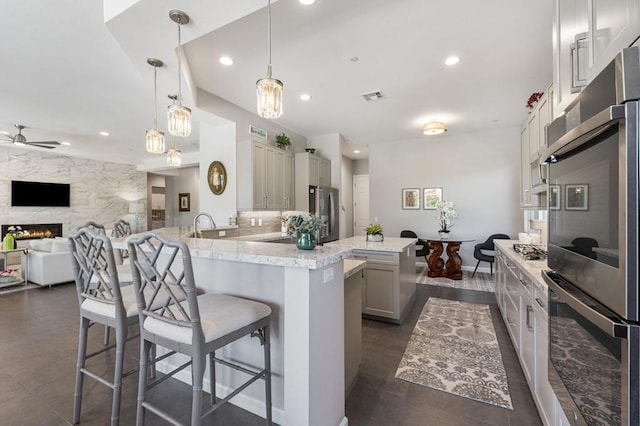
x: 101, y: 301
x: 121, y: 229
x: 190, y: 324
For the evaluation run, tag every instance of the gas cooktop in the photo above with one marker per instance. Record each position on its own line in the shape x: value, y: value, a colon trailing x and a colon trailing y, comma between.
x: 530, y: 251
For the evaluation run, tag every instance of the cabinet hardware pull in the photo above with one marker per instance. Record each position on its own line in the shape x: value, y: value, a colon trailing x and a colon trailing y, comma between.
x: 540, y: 302
x: 529, y: 310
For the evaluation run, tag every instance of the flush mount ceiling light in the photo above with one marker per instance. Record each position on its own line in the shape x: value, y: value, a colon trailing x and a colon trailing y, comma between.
x: 269, y: 90
x: 174, y: 156
x: 434, y: 128
x: 225, y: 60
x: 305, y: 97
x: 179, y: 116
x: 307, y: 2
x: 451, y: 60
x: 155, y: 138
x: 104, y: 133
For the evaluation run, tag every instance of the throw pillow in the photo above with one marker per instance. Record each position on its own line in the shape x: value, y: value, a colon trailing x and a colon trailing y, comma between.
x: 42, y: 245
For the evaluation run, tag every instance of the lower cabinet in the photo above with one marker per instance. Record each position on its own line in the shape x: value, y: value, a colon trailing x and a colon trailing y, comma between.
x: 389, y: 291
x: 522, y: 302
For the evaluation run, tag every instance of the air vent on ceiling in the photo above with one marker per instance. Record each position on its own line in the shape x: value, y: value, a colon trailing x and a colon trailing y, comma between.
x: 373, y: 96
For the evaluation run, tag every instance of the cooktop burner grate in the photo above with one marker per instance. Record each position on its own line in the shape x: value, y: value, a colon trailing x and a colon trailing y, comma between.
x: 530, y: 251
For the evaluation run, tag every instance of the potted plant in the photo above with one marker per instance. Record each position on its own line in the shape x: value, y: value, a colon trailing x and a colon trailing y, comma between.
x: 303, y: 228
x: 374, y: 232
x: 447, y: 214
x: 282, y: 141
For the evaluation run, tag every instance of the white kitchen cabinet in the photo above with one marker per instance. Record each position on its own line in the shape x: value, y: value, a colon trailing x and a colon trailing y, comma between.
x: 310, y: 170
x: 388, y: 291
x: 527, y: 335
x: 263, y: 181
x: 587, y: 35
x: 543, y: 391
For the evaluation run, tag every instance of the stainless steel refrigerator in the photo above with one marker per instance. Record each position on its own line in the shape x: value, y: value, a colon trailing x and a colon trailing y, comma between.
x: 325, y: 204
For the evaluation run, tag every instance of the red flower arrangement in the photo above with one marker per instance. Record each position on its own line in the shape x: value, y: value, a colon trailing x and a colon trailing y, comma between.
x: 535, y: 97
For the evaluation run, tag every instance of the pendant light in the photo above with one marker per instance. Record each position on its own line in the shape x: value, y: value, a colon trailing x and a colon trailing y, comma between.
x: 179, y: 116
x: 174, y: 156
x: 269, y: 90
x: 155, y: 138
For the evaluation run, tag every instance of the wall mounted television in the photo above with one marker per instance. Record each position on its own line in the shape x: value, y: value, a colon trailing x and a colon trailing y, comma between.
x: 40, y: 194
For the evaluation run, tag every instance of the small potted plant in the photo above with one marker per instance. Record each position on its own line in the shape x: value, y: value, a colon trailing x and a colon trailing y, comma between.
x: 374, y: 232
x: 282, y: 141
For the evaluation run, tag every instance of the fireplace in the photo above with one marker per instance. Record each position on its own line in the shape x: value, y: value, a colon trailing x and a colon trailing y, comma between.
x: 34, y: 231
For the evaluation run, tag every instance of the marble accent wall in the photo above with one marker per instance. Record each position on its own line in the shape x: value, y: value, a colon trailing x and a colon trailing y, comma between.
x: 100, y: 191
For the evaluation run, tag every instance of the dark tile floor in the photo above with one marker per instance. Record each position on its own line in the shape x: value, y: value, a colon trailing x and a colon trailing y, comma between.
x: 38, y: 338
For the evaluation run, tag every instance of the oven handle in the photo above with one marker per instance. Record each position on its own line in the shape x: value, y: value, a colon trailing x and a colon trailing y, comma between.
x: 605, y: 324
x: 584, y: 132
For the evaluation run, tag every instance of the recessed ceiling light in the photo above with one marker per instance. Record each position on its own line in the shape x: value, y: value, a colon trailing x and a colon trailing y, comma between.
x: 104, y: 133
x: 225, y: 60
x: 66, y: 143
x: 307, y: 2
x: 305, y: 97
x: 357, y: 151
x: 451, y: 60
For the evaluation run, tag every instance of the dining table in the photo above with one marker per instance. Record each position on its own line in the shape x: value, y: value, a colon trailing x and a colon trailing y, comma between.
x: 452, y: 269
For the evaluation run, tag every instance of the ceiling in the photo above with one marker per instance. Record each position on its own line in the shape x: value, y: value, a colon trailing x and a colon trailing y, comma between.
x: 67, y: 75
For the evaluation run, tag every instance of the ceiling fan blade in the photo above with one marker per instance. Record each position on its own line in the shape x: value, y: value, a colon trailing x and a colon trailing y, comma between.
x: 6, y: 136
x: 48, y: 145
x: 45, y: 142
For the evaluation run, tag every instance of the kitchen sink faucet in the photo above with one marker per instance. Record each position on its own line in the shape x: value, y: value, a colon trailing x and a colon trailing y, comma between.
x: 196, y: 233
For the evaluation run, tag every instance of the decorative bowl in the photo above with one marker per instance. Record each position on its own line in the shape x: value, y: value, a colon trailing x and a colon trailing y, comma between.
x: 310, y: 150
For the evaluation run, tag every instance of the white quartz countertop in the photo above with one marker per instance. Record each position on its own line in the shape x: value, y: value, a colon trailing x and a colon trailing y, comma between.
x: 392, y: 244
x: 351, y: 266
x: 533, y: 268
x: 287, y: 255
x: 270, y: 236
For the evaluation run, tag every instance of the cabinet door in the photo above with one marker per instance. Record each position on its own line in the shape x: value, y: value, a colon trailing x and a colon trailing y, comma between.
x: 527, y: 338
x: 616, y: 25
x: 545, y: 118
x: 259, y: 173
x: 278, y: 200
x: 314, y: 171
x: 543, y: 391
x: 325, y: 172
x: 525, y: 175
x: 533, y: 128
x: 288, y: 182
x: 570, y: 45
x: 380, y: 292
x: 270, y: 178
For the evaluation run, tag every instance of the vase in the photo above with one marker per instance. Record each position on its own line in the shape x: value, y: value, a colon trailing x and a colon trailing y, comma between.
x: 306, y: 241
x: 443, y: 235
x: 376, y: 238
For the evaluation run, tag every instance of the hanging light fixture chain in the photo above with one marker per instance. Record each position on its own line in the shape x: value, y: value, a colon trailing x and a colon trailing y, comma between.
x: 155, y: 97
x: 179, y: 63
x: 269, y: 37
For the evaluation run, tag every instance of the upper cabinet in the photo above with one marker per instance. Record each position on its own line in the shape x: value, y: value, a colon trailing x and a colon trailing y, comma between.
x: 265, y: 177
x: 310, y: 170
x: 587, y: 35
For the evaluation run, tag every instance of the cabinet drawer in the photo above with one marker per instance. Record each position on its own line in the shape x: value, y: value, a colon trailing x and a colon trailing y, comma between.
x: 512, y: 321
x: 377, y: 256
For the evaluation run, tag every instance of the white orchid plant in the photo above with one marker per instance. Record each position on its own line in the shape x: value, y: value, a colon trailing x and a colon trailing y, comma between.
x: 447, y: 214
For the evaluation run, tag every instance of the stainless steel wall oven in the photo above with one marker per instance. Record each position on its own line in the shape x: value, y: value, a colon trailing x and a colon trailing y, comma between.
x: 594, y: 295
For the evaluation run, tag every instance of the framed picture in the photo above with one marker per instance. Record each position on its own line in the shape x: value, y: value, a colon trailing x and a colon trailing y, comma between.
x: 257, y: 131
x: 576, y: 197
x: 217, y: 177
x: 432, y: 196
x: 411, y: 198
x: 554, y: 196
x: 184, y: 202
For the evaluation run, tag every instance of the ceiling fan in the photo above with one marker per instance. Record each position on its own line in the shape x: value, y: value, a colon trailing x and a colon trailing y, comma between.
x: 20, y: 140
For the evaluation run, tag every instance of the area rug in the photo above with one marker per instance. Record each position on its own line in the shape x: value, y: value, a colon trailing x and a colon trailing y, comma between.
x: 453, y: 348
x: 480, y: 282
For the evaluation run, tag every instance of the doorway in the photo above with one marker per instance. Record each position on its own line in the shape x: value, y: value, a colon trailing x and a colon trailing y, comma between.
x: 360, y: 204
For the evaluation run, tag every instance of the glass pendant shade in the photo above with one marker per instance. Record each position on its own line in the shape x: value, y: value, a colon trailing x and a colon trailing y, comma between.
x: 174, y: 157
x: 179, y: 119
x: 155, y: 141
x: 269, y: 96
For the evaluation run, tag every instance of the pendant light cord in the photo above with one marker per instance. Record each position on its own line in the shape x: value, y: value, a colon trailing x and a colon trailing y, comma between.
x: 269, y: 37
x: 155, y: 97
x: 179, y: 65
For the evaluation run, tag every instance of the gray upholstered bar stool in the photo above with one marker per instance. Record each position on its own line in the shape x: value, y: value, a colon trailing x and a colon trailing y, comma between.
x: 101, y: 301
x: 190, y: 324
x: 121, y: 229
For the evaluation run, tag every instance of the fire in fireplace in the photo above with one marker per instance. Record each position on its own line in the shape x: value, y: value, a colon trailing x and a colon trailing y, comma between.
x: 34, y: 231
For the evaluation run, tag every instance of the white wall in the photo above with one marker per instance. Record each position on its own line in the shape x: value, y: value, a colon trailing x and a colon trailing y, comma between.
x: 479, y: 172
x: 100, y: 191
x: 346, y: 197
x: 186, y: 181
x: 361, y: 167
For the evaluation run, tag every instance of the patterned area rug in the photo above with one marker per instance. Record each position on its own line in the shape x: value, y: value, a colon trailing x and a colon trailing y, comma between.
x: 481, y: 282
x: 453, y: 348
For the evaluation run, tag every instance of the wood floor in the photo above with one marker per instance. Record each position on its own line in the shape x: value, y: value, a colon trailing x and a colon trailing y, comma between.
x: 38, y: 338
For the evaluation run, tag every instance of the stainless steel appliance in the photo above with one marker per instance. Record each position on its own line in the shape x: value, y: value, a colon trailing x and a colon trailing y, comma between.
x: 593, y: 249
x: 325, y: 204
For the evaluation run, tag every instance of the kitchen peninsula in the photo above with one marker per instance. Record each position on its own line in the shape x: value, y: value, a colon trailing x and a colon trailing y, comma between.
x: 305, y: 290
x: 390, y: 286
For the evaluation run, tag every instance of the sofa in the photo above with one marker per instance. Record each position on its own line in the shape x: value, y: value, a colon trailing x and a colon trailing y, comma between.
x: 49, y: 262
